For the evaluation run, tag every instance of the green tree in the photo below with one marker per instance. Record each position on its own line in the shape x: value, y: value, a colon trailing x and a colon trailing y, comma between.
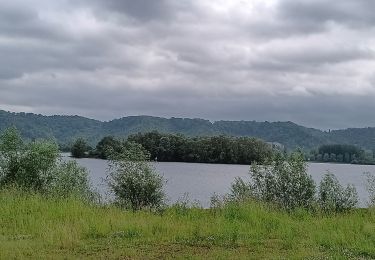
x: 106, y: 146
x: 80, y: 148
x: 213, y: 149
x: 133, y: 180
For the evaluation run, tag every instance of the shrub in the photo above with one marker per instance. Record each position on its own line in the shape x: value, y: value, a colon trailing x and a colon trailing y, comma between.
x: 240, y: 190
x: 371, y: 187
x: 133, y: 180
x: 25, y: 165
x: 283, y: 181
x: 333, y: 197
x: 69, y: 179
x: 35, y: 166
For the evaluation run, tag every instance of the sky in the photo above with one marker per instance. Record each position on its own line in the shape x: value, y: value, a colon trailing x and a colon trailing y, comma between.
x: 307, y: 61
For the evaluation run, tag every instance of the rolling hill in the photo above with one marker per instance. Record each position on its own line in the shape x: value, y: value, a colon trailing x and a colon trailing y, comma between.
x: 65, y: 129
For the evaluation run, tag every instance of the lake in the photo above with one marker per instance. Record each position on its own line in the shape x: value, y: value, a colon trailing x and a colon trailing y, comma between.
x: 200, y: 181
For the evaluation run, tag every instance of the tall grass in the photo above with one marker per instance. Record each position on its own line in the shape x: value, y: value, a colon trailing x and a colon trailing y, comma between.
x: 32, y: 226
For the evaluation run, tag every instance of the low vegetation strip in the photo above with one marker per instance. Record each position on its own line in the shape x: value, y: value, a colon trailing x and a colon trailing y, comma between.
x: 39, y: 228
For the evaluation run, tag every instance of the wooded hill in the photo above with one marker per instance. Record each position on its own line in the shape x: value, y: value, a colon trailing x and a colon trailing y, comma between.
x: 66, y: 129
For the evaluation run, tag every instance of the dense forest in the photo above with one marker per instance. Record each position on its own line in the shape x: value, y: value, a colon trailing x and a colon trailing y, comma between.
x: 179, y: 148
x: 342, y: 153
x: 215, y: 149
x: 66, y: 129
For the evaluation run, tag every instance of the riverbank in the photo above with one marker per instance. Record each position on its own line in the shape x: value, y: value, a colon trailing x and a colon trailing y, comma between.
x: 38, y: 228
x: 343, y: 163
x: 68, y: 154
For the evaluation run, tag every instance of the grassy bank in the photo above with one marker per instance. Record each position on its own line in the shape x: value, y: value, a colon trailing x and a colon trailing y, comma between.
x: 35, y: 227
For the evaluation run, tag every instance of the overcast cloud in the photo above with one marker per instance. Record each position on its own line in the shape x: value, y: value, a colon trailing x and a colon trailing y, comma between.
x: 307, y: 61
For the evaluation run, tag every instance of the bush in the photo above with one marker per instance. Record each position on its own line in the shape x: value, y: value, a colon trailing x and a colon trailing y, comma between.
x: 240, y: 190
x: 133, y: 180
x: 333, y: 197
x: 25, y: 165
x: 35, y: 166
x: 371, y: 188
x: 283, y: 181
x: 69, y: 179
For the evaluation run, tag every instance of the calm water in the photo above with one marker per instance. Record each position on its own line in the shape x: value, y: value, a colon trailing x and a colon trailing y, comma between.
x: 201, y: 181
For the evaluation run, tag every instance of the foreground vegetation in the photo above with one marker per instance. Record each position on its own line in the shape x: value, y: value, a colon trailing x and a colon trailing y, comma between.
x: 39, y: 228
x: 49, y: 211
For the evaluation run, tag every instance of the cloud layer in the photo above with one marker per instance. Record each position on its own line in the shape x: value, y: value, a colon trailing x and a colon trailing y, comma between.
x: 308, y: 61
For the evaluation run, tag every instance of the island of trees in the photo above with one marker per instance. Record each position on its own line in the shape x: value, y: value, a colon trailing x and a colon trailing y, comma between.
x: 179, y: 148
x: 223, y: 149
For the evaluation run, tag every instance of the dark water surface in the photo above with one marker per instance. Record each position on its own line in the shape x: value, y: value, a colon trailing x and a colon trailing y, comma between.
x: 201, y: 181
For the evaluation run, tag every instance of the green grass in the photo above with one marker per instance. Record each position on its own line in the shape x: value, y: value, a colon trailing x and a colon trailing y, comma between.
x: 38, y: 228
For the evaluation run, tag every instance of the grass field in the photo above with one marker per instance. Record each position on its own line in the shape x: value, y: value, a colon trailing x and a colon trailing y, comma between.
x: 38, y: 228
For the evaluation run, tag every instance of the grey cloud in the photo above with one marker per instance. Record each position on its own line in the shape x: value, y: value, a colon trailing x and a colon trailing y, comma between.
x: 303, y: 61
x: 309, y: 59
x: 298, y: 18
x: 140, y: 9
x: 318, y: 12
x: 23, y: 22
x: 311, y: 111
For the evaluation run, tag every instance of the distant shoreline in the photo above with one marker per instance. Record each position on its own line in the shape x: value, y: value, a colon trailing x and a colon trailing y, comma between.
x: 66, y: 154
x: 344, y: 163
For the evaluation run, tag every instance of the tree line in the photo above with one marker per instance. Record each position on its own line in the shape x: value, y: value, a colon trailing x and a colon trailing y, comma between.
x: 280, y: 179
x: 342, y: 153
x: 179, y: 148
